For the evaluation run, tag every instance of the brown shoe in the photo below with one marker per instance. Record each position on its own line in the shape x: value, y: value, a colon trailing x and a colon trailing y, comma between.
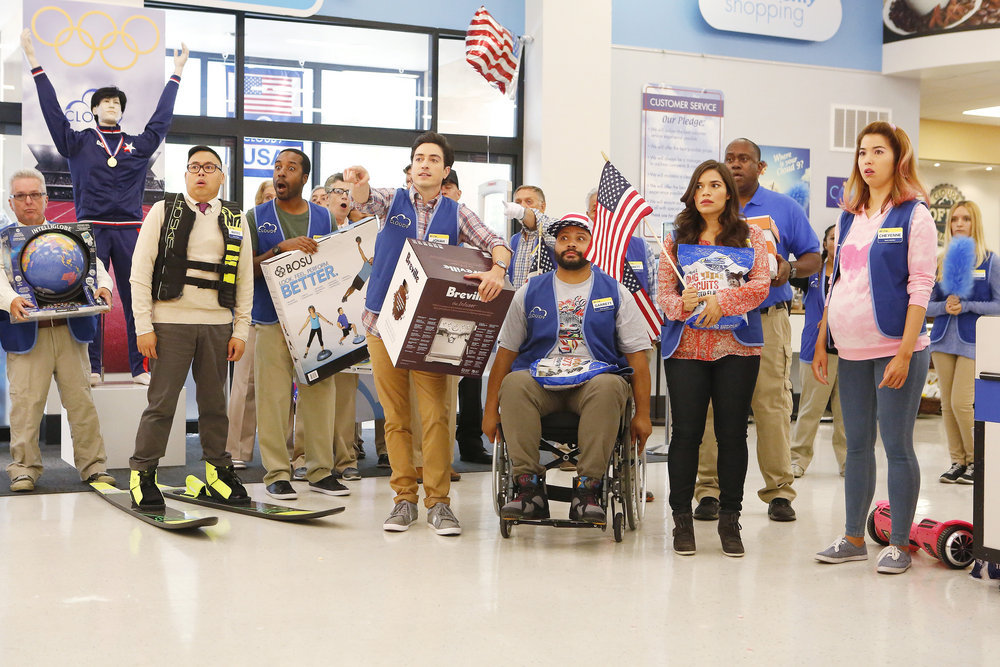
x: 729, y: 533
x: 684, y: 534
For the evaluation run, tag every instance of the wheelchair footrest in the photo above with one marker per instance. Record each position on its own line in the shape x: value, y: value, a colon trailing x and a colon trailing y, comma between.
x: 557, y: 523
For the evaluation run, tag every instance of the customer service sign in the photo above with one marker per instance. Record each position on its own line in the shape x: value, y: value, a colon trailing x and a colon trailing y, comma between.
x: 812, y: 20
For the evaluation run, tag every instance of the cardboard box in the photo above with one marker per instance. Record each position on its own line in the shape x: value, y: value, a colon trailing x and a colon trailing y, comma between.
x: 334, y: 282
x: 771, y: 237
x: 14, y: 239
x: 432, y: 318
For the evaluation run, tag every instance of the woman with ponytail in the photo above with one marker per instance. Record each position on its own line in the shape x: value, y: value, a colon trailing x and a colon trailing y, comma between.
x: 882, y: 278
x: 968, y: 285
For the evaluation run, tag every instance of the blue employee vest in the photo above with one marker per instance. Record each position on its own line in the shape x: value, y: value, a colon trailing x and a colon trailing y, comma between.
x: 966, y: 321
x: 542, y: 317
x: 401, y: 224
x: 515, y: 242
x: 814, y: 303
x: 888, y: 270
x: 269, y: 234
x: 19, y: 338
x: 635, y: 255
x: 750, y: 334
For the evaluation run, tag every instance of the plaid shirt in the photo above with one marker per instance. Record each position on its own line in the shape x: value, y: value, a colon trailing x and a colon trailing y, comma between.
x: 525, y: 260
x: 471, y: 229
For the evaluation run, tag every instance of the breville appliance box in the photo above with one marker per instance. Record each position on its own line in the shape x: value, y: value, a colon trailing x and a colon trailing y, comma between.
x: 432, y: 318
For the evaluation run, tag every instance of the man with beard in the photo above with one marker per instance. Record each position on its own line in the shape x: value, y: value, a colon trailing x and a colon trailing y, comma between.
x: 283, y: 224
x: 572, y: 317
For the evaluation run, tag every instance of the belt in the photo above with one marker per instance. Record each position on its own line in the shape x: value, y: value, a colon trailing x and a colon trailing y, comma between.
x: 786, y: 305
x: 45, y: 324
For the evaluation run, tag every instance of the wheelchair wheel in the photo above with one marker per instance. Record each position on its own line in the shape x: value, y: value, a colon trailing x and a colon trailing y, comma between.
x: 501, y: 473
x: 619, y: 526
x: 505, y: 528
x: 628, y: 488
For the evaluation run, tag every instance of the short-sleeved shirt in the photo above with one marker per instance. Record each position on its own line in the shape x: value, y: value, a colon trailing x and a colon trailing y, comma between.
x: 797, y: 235
x: 571, y: 300
x: 291, y: 225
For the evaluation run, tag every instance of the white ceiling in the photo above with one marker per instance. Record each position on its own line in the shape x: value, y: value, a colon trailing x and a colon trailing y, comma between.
x: 945, y: 92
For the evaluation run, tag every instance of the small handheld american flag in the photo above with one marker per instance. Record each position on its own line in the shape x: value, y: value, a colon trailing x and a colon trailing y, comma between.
x: 493, y: 51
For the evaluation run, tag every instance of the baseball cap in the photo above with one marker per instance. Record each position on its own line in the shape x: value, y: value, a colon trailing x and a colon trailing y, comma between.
x: 569, y: 220
x: 452, y: 177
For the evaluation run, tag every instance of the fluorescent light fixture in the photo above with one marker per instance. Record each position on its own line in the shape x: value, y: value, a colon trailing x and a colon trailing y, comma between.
x: 989, y: 168
x: 937, y: 164
x: 989, y: 112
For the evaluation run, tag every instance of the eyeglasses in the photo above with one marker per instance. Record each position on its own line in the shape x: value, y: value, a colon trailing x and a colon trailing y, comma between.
x: 25, y: 196
x: 209, y: 167
x: 337, y: 191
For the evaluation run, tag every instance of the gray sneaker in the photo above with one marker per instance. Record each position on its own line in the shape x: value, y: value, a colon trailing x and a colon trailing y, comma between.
x: 350, y: 474
x: 299, y: 473
x: 442, y: 520
x: 402, y: 515
x: 893, y: 560
x: 842, y: 551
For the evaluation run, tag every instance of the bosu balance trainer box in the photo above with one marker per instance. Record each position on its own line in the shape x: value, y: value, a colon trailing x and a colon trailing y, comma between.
x: 320, y: 297
x: 53, y: 267
x: 432, y: 318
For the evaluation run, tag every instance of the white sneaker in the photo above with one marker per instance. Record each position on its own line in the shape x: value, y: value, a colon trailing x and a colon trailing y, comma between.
x: 141, y: 378
x: 95, y: 379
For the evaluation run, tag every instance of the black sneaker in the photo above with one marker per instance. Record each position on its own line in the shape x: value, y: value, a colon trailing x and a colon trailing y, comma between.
x: 585, y: 503
x: 383, y: 461
x: 530, y: 501
x: 480, y: 456
x: 952, y: 474
x: 707, y: 509
x: 224, y: 484
x: 145, y: 494
x: 330, y: 486
x: 969, y: 476
x: 729, y: 532
x: 780, y: 509
x: 282, y: 490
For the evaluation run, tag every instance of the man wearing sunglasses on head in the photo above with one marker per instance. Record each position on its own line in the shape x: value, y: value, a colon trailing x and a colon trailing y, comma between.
x: 192, y: 290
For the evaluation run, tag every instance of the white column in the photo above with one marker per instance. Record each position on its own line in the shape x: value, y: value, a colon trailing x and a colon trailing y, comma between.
x: 567, y: 90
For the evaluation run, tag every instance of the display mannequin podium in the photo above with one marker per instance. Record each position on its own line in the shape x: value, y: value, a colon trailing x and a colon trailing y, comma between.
x: 119, y: 407
x: 986, y: 493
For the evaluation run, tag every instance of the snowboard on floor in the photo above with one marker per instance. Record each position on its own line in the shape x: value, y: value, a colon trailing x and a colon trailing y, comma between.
x: 196, y: 492
x: 167, y: 518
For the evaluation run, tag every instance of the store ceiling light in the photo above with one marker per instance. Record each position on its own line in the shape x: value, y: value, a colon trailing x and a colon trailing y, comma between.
x: 989, y: 168
x: 937, y: 164
x: 989, y: 112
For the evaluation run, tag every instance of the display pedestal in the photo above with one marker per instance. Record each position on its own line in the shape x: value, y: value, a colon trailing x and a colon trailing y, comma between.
x: 119, y: 407
x: 986, y: 493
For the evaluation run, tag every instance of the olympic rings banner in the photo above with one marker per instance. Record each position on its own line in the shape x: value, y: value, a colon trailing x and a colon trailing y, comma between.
x: 82, y: 47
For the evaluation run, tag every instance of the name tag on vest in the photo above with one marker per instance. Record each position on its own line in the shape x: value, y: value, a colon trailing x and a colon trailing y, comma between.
x: 438, y: 238
x: 890, y: 235
x: 979, y: 274
x: 636, y: 266
x: 603, y: 303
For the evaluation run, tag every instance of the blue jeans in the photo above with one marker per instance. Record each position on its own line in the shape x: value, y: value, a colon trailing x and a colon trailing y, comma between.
x: 894, y: 412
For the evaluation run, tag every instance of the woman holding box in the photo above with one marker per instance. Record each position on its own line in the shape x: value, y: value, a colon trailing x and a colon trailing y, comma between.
x: 882, y: 279
x: 705, y: 364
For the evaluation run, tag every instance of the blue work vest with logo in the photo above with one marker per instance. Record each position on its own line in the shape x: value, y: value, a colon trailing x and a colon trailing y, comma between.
x: 542, y: 316
x: 981, y: 291
x: 269, y: 234
x: 635, y: 256
x: 401, y: 224
x: 814, y: 303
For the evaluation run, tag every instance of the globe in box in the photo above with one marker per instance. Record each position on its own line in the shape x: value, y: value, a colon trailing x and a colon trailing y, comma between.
x: 432, y: 318
x: 53, y: 267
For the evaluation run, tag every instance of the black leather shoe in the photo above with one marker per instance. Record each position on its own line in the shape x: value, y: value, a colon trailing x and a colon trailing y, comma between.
x: 780, y: 509
x: 282, y: 490
x: 482, y: 457
x: 707, y: 509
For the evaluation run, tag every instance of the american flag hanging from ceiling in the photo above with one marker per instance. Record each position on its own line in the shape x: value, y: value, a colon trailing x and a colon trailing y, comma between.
x: 493, y: 51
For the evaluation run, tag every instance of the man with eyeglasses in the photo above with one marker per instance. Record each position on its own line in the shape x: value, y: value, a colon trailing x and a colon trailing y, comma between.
x: 772, y: 396
x: 39, y: 350
x: 192, y: 288
x: 108, y: 167
x: 287, y: 223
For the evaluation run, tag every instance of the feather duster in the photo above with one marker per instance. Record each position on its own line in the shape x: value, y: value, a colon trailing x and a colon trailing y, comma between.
x: 956, y: 272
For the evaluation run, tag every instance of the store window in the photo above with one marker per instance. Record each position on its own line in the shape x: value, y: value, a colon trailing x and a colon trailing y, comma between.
x: 258, y: 164
x: 211, y: 39
x: 467, y: 103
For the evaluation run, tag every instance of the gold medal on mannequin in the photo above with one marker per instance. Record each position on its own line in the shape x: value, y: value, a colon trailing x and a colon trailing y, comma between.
x: 112, y: 162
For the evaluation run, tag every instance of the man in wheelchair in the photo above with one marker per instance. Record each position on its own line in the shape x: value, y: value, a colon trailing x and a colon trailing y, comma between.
x: 567, y: 343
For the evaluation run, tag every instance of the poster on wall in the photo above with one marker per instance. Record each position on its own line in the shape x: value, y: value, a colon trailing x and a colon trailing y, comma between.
x: 787, y: 172
x: 905, y: 19
x: 82, y: 47
x: 681, y: 128
x: 943, y: 197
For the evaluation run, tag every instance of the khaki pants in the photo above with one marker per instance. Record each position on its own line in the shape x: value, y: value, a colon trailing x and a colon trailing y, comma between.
x: 29, y: 375
x: 242, y: 406
x: 772, y: 414
x: 600, y: 402
x: 956, y: 377
x: 345, y: 456
x: 812, y: 406
x: 393, y: 387
x: 273, y: 377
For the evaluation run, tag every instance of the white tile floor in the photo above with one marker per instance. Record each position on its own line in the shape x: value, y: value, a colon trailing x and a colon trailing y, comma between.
x: 84, y: 583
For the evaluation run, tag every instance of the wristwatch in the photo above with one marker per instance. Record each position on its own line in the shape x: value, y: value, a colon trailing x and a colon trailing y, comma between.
x: 792, y: 271
x: 275, y: 251
x: 499, y: 262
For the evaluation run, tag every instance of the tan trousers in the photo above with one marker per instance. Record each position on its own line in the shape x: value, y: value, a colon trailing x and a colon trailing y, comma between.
x: 956, y: 377
x: 345, y: 456
x: 452, y: 400
x: 393, y: 387
x: 29, y: 375
x: 772, y: 415
x: 242, y: 406
x: 273, y: 377
x: 812, y: 406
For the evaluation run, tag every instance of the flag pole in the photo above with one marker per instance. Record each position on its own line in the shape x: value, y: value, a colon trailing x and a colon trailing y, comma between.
x: 659, y: 244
